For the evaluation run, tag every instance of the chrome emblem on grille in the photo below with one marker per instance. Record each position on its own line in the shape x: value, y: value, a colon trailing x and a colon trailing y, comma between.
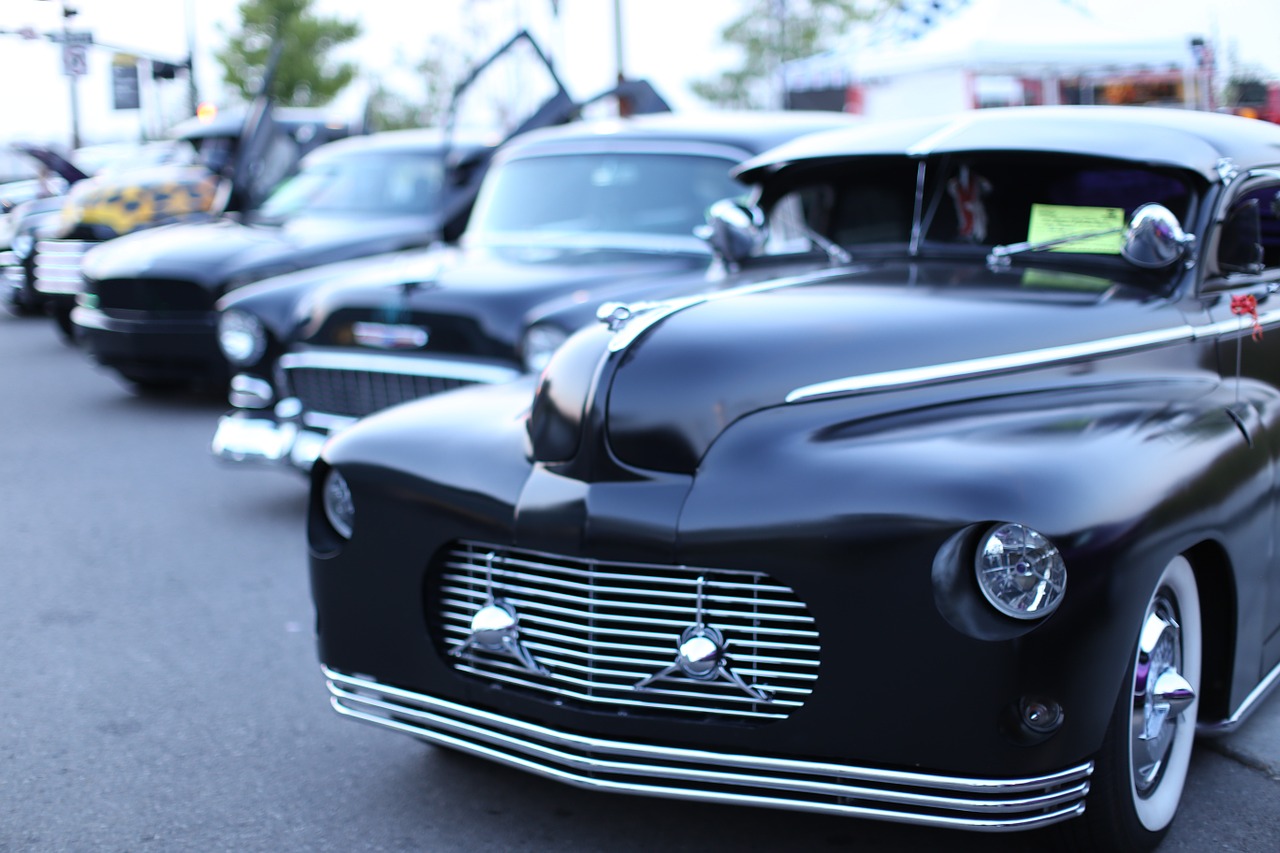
x: 495, y: 628
x: 702, y: 655
x: 389, y: 335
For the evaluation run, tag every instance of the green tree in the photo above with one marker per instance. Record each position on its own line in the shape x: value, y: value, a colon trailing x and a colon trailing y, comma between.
x: 771, y: 32
x: 443, y: 66
x: 305, y: 75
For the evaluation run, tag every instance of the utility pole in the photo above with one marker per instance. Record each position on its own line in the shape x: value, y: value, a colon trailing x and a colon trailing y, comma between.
x: 73, y: 79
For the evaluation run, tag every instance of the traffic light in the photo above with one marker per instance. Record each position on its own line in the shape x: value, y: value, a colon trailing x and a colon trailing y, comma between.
x: 165, y: 70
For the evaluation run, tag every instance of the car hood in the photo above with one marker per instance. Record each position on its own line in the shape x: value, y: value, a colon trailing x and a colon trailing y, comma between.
x: 228, y: 253
x: 476, y: 301
x: 690, y: 373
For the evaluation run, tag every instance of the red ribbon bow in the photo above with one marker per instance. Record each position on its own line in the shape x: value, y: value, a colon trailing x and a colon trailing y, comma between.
x: 1247, y: 306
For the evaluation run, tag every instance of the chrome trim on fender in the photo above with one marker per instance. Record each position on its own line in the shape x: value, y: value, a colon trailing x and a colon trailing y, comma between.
x: 1246, y: 709
x: 467, y: 371
x: 975, y: 367
x: 925, y: 799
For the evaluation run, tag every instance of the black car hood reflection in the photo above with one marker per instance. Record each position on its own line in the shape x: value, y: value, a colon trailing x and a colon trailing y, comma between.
x: 487, y: 295
x: 215, y: 253
x: 691, y: 375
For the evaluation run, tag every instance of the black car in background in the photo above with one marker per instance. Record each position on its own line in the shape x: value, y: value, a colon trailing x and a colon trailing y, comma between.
x: 967, y: 521
x: 145, y: 309
x: 39, y: 212
x: 567, y: 219
x: 214, y: 166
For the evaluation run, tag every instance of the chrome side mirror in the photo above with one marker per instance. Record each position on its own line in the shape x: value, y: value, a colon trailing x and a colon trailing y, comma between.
x: 1154, y: 238
x: 734, y: 230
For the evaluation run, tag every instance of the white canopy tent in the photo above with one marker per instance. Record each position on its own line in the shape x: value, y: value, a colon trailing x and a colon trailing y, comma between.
x: 1000, y: 52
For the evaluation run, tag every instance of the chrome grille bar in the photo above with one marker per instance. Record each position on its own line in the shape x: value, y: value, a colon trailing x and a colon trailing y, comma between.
x: 993, y: 805
x: 357, y: 384
x: 601, y: 628
x: 57, y: 268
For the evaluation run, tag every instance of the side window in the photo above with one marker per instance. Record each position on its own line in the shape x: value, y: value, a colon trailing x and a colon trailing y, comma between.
x: 1249, y: 238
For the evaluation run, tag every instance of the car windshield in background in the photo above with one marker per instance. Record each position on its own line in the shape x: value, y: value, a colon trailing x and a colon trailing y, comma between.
x: 375, y: 182
x: 614, y: 193
x: 979, y: 201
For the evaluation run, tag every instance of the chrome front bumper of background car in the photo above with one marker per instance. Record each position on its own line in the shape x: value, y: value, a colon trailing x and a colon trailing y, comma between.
x: 262, y: 438
x: 993, y: 805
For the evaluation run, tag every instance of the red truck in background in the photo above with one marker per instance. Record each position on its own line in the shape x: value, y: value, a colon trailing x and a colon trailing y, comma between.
x: 1257, y: 99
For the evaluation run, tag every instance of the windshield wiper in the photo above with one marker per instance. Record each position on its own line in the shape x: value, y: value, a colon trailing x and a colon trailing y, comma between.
x: 999, y: 255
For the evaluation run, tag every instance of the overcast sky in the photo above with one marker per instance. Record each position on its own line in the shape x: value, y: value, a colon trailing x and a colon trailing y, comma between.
x: 669, y: 42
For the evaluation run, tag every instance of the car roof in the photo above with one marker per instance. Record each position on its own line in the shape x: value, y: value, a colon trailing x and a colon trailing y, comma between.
x: 1158, y: 136
x: 749, y: 132
x: 413, y: 139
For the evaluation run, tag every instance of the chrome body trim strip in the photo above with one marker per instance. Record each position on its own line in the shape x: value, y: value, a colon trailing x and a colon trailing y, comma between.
x: 467, y: 371
x: 1049, y: 356
x: 704, y: 775
x: 1246, y: 709
x: 972, y: 368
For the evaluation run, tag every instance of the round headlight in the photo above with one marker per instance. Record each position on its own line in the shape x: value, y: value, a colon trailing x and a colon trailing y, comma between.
x: 338, y: 506
x: 1020, y: 572
x: 23, y: 244
x: 539, y: 344
x: 241, y: 336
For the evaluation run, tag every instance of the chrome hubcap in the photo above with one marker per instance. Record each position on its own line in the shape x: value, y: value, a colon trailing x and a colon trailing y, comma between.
x: 1160, y: 693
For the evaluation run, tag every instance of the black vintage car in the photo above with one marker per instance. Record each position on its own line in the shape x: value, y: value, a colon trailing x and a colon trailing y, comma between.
x: 194, y: 175
x: 145, y: 308
x: 567, y: 219
x: 972, y: 524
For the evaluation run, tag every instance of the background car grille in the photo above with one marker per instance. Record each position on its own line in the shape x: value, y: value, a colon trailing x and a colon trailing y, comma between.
x: 599, y: 628
x: 356, y: 393
x: 58, y: 265
x: 154, y: 295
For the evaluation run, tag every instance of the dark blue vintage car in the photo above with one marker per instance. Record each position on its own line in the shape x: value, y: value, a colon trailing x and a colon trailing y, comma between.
x: 967, y: 520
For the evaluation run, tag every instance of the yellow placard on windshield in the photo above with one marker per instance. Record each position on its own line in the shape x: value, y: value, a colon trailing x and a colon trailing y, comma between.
x: 1055, y: 221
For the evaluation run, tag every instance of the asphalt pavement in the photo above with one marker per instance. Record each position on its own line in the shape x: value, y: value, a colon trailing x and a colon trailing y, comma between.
x: 162, y: 691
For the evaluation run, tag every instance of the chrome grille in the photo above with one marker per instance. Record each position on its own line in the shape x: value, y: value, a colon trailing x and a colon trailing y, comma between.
x: 600, y: 628
x: 58, y: 265
x: 356, y: 393
x: 356, y: 384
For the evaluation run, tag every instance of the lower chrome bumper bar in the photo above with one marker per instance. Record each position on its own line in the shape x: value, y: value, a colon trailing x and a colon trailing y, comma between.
x: 993, y: 805
x: 243, y: 439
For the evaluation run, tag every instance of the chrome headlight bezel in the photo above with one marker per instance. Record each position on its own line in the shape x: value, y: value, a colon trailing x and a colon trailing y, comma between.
x: 539, y: 343
x: 1020, y: 572
x: 241, y: 336
x: 339, y: 508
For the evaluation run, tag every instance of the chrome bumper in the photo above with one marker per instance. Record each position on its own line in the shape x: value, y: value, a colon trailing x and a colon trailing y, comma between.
x: 992, y: 805
x: 251, y: 438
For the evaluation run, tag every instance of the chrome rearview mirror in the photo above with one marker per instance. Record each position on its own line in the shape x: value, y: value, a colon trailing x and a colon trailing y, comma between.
x: 734, y: 230
x: 1154, y: 238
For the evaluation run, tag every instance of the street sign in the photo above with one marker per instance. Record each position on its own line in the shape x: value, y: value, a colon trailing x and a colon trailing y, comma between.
x: 75, y: 60
x: 75, y: 52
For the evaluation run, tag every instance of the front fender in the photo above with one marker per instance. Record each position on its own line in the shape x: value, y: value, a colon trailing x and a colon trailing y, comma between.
x: 872, y: 517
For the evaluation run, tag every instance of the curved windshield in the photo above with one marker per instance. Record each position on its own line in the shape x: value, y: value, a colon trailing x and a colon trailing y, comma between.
x: 601, y: 194
x: 970, y: 202
x: 372, y: 182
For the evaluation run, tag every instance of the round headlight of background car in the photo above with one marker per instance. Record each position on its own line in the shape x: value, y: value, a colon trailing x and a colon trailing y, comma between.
x: 241, y: 336
x: 339, y: 509
x: 1020, y: 572
x: 539, y: 344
